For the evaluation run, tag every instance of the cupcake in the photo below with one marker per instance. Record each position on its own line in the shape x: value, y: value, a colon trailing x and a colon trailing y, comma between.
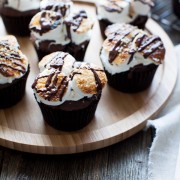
x: 14, y: 70
x: 50, y: 32
x: 17, y: 14
x: 130, y: 57
x: 68, y: 91
x: 135, y: 12
x: 62, y: 6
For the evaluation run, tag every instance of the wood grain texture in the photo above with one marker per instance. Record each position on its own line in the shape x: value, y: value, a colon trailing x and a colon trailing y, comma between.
x: 118, y: 115
x: 126, y: 160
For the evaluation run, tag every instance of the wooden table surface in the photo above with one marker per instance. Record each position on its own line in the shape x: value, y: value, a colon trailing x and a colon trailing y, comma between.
x: 125, y: 160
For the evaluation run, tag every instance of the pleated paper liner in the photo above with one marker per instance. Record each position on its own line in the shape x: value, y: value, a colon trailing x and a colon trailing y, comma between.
x: 12, y: 93
x: 136, y: 79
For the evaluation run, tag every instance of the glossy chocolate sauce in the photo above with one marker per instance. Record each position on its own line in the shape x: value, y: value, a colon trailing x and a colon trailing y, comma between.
x: 8, y: 54
x: 57, y: 61
x: 47, y: 22
x: 55, y: 89
x: 74, y: 22
x: 114, y: 52
x: 52, y: 79
x: 145, y: 44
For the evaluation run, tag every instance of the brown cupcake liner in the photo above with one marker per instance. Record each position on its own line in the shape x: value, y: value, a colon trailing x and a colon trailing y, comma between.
x: 136, y: 79
x: 77, y: 51
x: 103, y: 24
x: 139, y: 21
x: 68, y: 120
x: 12, y: 93
x: 17, y: 25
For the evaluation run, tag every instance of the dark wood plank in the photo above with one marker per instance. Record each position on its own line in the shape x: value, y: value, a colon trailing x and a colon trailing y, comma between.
x: 125, y: 160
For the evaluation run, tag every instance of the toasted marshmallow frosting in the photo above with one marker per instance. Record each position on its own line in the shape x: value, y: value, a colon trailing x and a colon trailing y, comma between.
x: 48, y: 25
x: 122, y: 11
x: 13, y: 63
x: 21, y: 5
x: 61, y: 60
x: 78, y: 27
x: 64, y: 79
x: 62, y: 6
x: 127, y: 46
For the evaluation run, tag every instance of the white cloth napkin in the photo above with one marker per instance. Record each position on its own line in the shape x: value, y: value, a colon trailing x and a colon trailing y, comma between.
x: 164, y: 157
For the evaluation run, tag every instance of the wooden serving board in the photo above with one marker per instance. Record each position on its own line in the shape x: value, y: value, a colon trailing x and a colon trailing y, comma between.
x: 118, y: 116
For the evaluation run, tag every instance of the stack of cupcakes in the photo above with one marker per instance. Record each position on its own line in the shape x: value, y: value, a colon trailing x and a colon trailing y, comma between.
x: 55, y: 28
x: 68, y: 91
x: 16, y: 15
x: 14, y: 70
x: 134, y: 12
x: 130, y: 57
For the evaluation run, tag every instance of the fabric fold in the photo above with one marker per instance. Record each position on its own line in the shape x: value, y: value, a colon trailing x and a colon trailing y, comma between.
x: 164, y: 157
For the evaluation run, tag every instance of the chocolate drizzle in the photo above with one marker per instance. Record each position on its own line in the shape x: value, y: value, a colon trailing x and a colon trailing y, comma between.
x: 145, y: 44
x: 114, y: 52
x: 57, y: 61
x: 74, y: 22
x: 52, y: 87
x: 56, y: 83
x: 98, y: 81
x: 10, y: 60
x: 49, y: 20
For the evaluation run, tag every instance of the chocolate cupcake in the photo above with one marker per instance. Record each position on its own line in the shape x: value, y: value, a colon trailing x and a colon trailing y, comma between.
x: 50, y: 32
x: 131, y: 57
x: 62, y: 6
x: 68, y: 91
x: 17, y: 14
x: 14, y: 70
x: 135, y: 12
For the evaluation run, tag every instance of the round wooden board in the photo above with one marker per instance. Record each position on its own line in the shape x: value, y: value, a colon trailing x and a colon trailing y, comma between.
x: 118, y: 115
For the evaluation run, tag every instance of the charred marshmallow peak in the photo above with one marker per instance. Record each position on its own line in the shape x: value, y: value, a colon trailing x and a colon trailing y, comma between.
x: 11, y: 40
x: 45, y: 21
x: 127, y: 46
x: 48, y: 26
x: 63, y: 79
x: 62, y: 6
x: 78, y: 27
x: 13, y: 63
x: 21, y: 5
x: 58, y: 60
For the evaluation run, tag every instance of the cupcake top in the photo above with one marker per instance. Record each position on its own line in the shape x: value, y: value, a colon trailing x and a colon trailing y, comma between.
x: 61, y: 6
x: 118, y: 11
x: 20, y: 5
x: 48, y: 25
x: 51, y: 26
x: 63, y: 79
x: 78, y: 27
x: 13, y: 63
x: 127, y: 46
